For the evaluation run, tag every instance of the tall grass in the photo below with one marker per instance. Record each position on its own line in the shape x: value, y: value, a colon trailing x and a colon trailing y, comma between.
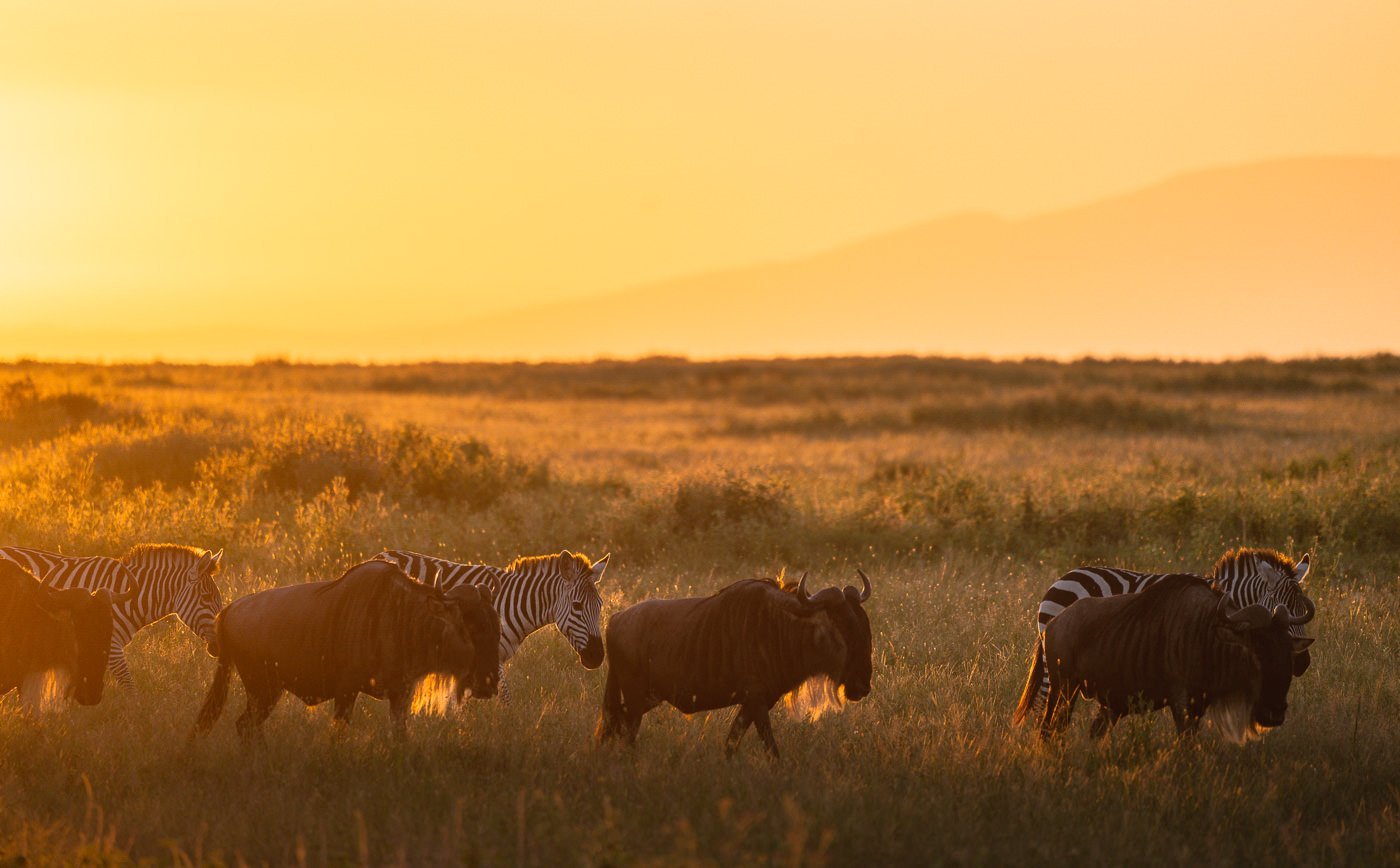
x: 963, y: 487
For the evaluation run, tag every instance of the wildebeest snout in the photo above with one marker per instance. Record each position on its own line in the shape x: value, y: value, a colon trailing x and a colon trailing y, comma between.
x: 1271, y: 716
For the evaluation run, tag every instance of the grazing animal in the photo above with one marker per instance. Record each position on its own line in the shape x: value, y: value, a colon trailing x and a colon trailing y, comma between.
x: 168, y: 580
x: 747, y: 645
x: 43, y: 630
x: 1179, y: 644
x: 371, y: 631
x: 1247, y: 576
x: 531, y: 593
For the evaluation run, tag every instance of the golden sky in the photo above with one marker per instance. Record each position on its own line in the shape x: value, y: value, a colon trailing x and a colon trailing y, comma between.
x: 247, y: 163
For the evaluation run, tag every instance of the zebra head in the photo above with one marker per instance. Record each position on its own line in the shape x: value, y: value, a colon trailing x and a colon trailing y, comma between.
x: 188, y: 576
x: 578, y: 606
x: 1271, y: 579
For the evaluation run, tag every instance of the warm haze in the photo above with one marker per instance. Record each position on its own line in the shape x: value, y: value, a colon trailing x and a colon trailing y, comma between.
x: 336, y: 181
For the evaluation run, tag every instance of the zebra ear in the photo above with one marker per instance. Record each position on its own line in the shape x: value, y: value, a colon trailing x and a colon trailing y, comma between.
x: 599, y: 566
x: 1300, y: 571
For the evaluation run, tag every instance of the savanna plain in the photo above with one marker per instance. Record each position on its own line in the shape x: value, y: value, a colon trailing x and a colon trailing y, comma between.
x: 963, y: 487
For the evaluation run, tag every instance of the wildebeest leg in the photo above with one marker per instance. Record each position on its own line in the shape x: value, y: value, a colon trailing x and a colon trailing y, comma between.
x: 1186, y: 722
x: 1058, y: 708
x: 765, y: 730
x: 742, y: 721
x: 398, y: 712
x: 261, y: 701
x: 344, y: 705
x: 1104, y: 722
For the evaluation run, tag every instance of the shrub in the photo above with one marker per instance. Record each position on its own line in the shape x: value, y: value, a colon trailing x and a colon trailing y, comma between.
x: 704, y: 502
x: 27, y: 414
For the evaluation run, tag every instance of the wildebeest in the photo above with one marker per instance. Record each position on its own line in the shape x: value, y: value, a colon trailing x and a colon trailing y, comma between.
x: 43, y: 630
x: 373, y: 631
x: 1179, y: 644
x: 747, y: 645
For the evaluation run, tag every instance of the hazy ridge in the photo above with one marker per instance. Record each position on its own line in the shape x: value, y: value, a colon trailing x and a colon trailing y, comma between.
x: 1282, y: 258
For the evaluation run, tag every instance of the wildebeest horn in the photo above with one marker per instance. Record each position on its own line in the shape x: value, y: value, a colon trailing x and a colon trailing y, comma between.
x: 1292, y: 620
x: 1253, y: 617
x: 865, y: 580
x: 802, y: 589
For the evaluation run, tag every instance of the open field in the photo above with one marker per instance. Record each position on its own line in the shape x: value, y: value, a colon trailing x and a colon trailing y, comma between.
x: 963, y: 487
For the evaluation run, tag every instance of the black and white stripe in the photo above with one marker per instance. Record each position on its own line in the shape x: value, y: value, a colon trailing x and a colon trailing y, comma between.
x: 530, y: 593
x: 1246, y: 576
x: 166, y: 580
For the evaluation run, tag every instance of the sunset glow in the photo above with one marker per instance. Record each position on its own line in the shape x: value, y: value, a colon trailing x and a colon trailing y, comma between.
x: 221, y: 180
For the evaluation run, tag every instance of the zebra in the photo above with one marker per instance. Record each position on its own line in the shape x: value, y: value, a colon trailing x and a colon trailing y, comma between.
x: 1245, y: 575
x: 166, y: 579
x: 531, y: 593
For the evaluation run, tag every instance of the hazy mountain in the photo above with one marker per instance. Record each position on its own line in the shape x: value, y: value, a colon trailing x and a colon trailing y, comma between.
x: 1284, y: 258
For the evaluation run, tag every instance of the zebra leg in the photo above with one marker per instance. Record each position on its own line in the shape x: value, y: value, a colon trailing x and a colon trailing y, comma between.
x: 502, y: 691
x: 736, y: 731
x: 116, y: 661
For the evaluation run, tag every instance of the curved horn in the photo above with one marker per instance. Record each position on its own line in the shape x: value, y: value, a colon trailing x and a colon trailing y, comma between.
x: 865, y: 580
x: 1253, y: 617
x: 802, y: 589
x: 1294, y: 620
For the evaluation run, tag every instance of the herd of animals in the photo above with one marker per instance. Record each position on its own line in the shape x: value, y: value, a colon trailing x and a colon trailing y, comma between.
x: 1223, y: 646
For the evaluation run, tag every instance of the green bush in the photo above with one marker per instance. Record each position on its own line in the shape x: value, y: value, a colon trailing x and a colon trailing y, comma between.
x: 28, y: 414
x: 704, y: 502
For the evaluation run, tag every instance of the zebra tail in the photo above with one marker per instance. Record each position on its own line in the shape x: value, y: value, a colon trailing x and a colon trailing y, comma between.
x: 1033, y: 680
x: 214, y: 702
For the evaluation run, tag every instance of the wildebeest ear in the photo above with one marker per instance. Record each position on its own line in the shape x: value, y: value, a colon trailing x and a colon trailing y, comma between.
x: 599, y: 566
x: 1301, y: 570
x: 62, y: 602
x: 1301, y: 643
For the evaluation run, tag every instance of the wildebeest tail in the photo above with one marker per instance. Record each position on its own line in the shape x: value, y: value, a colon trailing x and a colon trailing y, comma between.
x: 1033, y: 682
x: 218, y: 690
x: 214, y: 702
x: 610, y: 721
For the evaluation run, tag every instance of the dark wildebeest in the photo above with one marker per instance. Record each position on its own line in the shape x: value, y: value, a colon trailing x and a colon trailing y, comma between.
x: 748, y: 645
x: 373, y: 631
x: 1178, y: 644
x: 42, y: 630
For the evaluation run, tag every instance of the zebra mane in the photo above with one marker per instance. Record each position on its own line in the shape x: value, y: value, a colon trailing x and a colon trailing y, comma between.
x: 147, y: 551
x: 531, y: 560
x: 1276, y: 559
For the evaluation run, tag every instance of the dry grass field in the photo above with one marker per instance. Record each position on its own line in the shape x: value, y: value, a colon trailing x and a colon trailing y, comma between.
x: 962, y: 487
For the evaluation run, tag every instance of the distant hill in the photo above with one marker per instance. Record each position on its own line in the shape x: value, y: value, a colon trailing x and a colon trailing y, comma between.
x: 1283, y: 258
x: 1286, y: 257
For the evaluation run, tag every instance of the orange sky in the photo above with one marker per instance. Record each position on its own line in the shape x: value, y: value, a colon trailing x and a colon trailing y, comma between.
x: 168, y: 163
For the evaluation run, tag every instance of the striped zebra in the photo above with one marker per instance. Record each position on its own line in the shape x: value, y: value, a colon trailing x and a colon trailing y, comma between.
x: 167, y: 580
x: 1246, y: 576
x: 531, y: 593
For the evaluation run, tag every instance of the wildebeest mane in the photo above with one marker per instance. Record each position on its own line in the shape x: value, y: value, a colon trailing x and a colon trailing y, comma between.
x: 753, y: 625
x: 1194, y: 630
x: 372, y: 602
